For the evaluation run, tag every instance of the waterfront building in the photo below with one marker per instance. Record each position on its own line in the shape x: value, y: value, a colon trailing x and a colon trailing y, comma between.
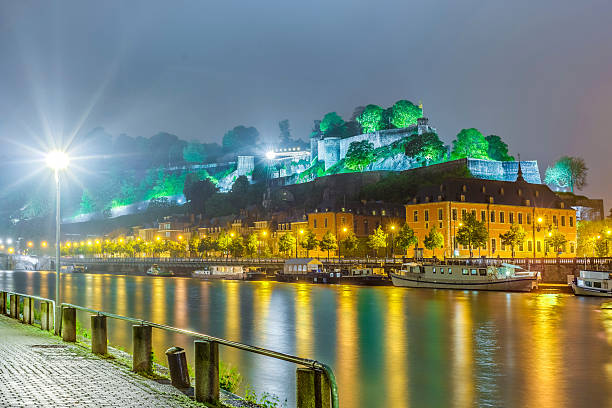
x: 499, y: 204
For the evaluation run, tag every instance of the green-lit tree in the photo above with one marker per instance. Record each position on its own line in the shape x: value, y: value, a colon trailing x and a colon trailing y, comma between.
x: 514, y: 237
x: 556, y: 240
x: 359, y: 155
x: 330, y: 121
x: 206, y: 245
x: 252, y: 244
x: 224, y: 240
x: 433, y: 240
x: 194, y: 244
x: 371, y: 119
x: 425, y: 148
x: 309, y: 242
x: 405, y: 113
x: 377, y: 240
x: 601, y: 246
x: 405, y: 238
x: 328, y: 243
x: 498, y: 150
x: 470, y: 143
x: 194, y: 152
x: 286, y: 243
x: 472, y: 233
x: 236, y: 247
x: 567, y: 173
x: 88, y: 205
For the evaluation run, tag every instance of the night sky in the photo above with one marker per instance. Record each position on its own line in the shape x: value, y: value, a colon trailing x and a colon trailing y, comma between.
x: 537, y: 73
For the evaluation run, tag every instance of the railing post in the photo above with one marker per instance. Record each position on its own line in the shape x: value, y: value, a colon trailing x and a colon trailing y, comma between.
x: 206, y: 371
x: 312, y: 389
x: 27, y: 313
x: 3, y: 303
x: 141, y: 353
x: 69, y: 324
x: 14, y: 307
x: 46, y: 313
x: 98, y: 334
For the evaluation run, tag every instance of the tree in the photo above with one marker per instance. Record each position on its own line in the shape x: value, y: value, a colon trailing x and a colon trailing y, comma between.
x: 425, y: 147
x: 252, y: 244
x: 556, y: 240
x: 330, y: 121
x: 194, y: 244
x: 286, y: 243
x: 405, y: 113
x: 405, y: 238
x: 241, y: 185
x: 433, y: 240
x: 371, y: 119
x: 498, y: 150
x: 359, y: 155
x: 88, y: 205
x: 601, y: 246
x: 236, y: 247
x: 349, y: 243
x: 309, y: 242
x: 206, y: 245
x: 194, y: 152
x: 240, y: 139
x: 197, y: 192
x: 567, y: 172
x: 328, y: 243
x: 223, y: 242
x: 473, y: 233
x: 514, y: 237
x: 285, y: 132
x: 357, y: 112
x: 377, y: 240
x: 470, y: 143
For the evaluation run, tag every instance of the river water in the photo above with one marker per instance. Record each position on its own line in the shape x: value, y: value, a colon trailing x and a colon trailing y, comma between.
x: 389, y: 347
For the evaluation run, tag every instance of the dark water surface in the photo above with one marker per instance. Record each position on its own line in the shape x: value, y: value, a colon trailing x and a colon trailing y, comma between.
x: 389, y: 347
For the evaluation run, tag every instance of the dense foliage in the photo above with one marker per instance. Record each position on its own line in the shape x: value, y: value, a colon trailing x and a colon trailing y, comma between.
x: 470, y: 143
x: 567, y: 173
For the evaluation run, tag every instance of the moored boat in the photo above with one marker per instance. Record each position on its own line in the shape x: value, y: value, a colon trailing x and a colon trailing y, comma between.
x: 155, y: 270
x: 592, y: 283
x: 465, y: 276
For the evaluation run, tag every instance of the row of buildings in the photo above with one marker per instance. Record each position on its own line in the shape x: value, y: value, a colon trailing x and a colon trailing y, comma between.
x: 499, y: 204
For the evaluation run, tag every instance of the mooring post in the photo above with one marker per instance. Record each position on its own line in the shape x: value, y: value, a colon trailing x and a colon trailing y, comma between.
x: 312, y: 389
x: 98, y: 334
x: 2, y: 302
x: 206, y: 371
x: 14, y: 309
x: 28, y: 310
x: 45, y: 315
x: 142, y: 361
x: 69, y: 324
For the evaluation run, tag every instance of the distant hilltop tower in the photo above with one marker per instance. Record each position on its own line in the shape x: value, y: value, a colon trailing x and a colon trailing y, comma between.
x: 423, y: 123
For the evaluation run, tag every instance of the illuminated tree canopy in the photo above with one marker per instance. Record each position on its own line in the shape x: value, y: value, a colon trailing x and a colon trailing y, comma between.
x: 433, y: 240
x: 567, y: 173
x: 405, y: 113
x: 473, y: 233
x: 497, y: 149
x: 425, y: 148
x: 470, y: 143
x: 359, y: 155
x: 241, y: 139
x: 328, y: 243
x: 514, y: 237
x: 194, y: 153
x: 406, y: 238
x: 330, y: 121
x: 371, y: 119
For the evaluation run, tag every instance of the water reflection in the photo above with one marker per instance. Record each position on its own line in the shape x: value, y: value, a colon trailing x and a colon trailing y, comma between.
x: 388, y: 346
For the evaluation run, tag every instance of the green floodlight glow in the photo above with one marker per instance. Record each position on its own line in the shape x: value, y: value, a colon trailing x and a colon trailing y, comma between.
x: 57, y: 160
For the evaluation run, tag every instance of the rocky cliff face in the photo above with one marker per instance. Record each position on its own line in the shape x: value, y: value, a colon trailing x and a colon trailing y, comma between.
x: 395, y: 162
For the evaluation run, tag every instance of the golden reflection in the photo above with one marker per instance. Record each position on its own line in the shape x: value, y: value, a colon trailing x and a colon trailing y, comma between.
x: 232, y: 319
x: 44, y: 287
x: 89, y: 288
x: 121, y: 295
x: 181, y: 298
x: 138, y: 294
x: 261, y: 307
x: 462, y: 355
x: 67, y: 294
x: 97, y: 292
x: 545, y: 365
x: 158, y: 301
x: 347, y: 335
x: 396, y: 350
x: 303, y: 321
x: 606, y: 318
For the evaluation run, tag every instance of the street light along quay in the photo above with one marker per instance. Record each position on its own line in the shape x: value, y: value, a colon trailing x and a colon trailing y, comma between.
x: 57, y: 160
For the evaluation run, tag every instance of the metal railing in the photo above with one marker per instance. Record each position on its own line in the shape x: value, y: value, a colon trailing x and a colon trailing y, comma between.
x: 23, y: 295
x: 312, y: 364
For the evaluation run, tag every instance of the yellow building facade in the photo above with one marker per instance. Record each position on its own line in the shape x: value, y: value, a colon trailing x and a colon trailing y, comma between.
x: 498, y: 204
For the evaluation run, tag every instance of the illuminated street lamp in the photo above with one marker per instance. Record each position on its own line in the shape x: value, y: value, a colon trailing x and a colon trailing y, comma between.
x: 57, y: 160
x: 392, y: 228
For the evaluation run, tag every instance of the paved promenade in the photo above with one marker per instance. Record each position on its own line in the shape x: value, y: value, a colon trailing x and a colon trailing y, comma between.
x: 39, y: 370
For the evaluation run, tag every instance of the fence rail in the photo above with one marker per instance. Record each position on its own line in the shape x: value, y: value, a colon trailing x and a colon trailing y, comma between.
x: 67, y: 329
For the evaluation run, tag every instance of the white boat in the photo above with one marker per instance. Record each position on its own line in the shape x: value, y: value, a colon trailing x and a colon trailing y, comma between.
x: 466, y: 276
x: 592, y: 283
x: 155, y: 270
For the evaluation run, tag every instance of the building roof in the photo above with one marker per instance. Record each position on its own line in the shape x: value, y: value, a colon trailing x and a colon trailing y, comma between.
x: 517, y: 193
x: 301, y: 261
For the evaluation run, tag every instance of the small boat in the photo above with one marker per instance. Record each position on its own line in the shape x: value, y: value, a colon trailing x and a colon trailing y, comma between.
x: 592, y: 283
x: 465, y: 276
x: 155, y: 270
x: 79, y: 269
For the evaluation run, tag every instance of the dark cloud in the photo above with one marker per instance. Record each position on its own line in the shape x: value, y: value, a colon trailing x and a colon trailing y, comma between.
x: 535, y: 73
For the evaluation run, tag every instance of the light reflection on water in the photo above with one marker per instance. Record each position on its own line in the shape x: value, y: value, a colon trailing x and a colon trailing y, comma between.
x: 389, y: 347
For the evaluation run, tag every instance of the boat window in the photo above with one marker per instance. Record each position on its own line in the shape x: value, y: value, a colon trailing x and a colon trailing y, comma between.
x: 597, y: 284
x: 464, y: 271
x: 482, y: 272
x: 433, y: 269
x: 441, y: 270
x: 450, y: 271
x: 588, y: 283
x: 473, y: 272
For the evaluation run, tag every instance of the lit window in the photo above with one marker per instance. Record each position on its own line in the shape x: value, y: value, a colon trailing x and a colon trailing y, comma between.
x: 571, y: 221
x: 483, y: 216
x: 520, y: 218
x: 492, y: 216
x: 511, y: 217
x: 563, y: 220
x: 454, y: 214
x: 440, y: 214
x: 501, y: 217
x: 464, y: 271
x: 529, y: 246
x: 426, y: 215
x: 528, y: 219
x: 415, y: 216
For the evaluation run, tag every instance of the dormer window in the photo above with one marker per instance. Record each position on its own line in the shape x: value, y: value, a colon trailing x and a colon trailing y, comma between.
x: 562, y: 204
x: 484, y: 189
x: 440, y: 197
x: 527, y: 203
x: 441, y: 187
x: 520, y: 192
x: 491, y: 200
x: 464, y: 188
x: 427, y: 199
x: 501, y: 191
x: 414, y: 200
x: 462, y: 197
x: 537, y: 193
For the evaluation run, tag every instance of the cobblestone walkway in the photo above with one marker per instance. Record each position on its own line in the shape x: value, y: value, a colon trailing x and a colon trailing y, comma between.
x: 39, y: 370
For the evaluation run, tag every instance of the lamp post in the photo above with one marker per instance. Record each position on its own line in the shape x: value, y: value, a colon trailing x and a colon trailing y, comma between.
x: 392, y: 241
x: 57, y: 160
